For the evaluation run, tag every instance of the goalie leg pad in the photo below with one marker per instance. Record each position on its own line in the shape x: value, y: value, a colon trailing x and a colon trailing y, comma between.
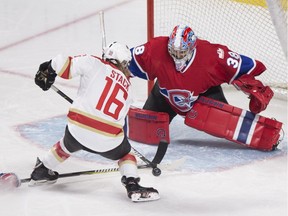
x: 234, y: 124
x: 147, y: 126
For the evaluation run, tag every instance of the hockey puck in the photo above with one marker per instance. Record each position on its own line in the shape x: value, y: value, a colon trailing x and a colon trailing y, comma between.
x: 156, y: 171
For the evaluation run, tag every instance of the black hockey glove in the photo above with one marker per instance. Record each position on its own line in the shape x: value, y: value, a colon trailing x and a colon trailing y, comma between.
x: 45, y: 76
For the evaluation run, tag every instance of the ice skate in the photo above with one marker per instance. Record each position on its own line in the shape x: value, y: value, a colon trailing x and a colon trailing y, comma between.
x: 138, y: 193
x: 41, y: 175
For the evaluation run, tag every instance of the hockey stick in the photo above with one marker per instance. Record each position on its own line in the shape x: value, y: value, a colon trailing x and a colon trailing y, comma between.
x: 162, y: 147
x: 156, y: 171
x: 105, y: 170
x: 102, y: 27
x: 62, y: 94
x: 11, y: 180
x: 160, y: 153
x: 87, y: 172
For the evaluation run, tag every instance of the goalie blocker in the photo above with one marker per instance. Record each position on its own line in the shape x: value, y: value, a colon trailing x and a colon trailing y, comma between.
x: 147, y: 126
x: 234, y: 124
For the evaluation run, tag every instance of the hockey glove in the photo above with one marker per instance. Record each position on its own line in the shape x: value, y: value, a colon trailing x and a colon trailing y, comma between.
x: 259, y: 94
x: 45, y: 76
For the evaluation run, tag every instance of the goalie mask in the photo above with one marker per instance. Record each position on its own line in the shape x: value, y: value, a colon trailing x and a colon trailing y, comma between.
x: 118, y: 54
x: 181, y: 45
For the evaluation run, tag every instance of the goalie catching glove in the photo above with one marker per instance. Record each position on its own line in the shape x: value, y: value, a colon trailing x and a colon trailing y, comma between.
x: 45, y: 76
x: 259, y: 94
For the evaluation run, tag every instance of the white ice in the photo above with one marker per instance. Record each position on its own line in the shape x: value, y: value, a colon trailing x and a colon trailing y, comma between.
x: 218, y: 178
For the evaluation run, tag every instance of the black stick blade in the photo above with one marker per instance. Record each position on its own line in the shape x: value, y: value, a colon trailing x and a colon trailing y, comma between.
x: 161, y: 151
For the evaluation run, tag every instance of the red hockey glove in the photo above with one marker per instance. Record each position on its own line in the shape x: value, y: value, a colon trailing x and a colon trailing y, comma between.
x: 259, y: 94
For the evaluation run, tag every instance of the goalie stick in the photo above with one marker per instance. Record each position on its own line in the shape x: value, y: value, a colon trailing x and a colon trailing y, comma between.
x: 162, y: 146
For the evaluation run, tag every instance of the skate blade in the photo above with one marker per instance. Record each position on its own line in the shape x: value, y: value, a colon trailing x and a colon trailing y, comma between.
x: 137, y: 197
x: 34, y: 183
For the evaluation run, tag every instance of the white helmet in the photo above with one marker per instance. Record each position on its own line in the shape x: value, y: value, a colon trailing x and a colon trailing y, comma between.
x: 117, y: 53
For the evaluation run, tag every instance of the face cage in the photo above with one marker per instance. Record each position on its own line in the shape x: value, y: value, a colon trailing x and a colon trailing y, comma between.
x: 180, y: 58
x: 123, y: 64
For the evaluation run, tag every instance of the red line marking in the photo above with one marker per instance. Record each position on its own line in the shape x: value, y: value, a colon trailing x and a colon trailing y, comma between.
x: 61, y: 26
x: 19, y: 74
x: 4, y: 71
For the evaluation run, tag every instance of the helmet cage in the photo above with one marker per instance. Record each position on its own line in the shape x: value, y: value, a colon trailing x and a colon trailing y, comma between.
x: 181, y: 45
x: 122, y: 65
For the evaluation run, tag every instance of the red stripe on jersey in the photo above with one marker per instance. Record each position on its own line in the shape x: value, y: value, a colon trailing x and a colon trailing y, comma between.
x: 98, y: 125
x: 65, y: 71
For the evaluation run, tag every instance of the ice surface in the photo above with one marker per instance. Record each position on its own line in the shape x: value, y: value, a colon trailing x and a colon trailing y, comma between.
x: 217, y: 177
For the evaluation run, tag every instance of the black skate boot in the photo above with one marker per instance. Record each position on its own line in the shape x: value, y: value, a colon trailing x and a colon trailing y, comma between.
x: 41, y: 175
x: 138, y: 193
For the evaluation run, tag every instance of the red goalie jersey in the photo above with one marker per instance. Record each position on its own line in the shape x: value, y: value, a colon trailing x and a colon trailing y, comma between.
x: 211, y: 65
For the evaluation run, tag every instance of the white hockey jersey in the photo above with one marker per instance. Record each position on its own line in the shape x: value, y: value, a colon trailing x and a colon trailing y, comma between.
x: 97, y: 115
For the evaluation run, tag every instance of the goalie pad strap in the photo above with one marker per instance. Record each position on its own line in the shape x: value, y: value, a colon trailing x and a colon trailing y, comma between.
x: 147, y: 126
x: 234, y: 124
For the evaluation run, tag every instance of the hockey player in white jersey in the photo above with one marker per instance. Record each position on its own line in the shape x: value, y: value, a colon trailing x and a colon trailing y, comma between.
x: 96, y: 117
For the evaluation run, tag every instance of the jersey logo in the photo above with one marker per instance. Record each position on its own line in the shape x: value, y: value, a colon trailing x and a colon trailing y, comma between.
x: 181, y: 99
x: 220, y: 53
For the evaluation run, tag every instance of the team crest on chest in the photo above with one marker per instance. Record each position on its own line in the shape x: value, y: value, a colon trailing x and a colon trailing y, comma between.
x: 181, y: 99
